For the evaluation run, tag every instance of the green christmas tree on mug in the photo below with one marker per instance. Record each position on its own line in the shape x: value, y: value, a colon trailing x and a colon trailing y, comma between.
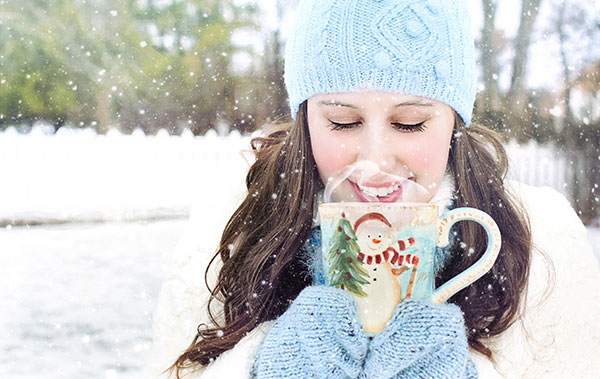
x: 345, y: 271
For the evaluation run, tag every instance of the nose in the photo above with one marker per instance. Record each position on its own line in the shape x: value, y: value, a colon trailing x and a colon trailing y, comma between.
x: 377, y: 145
x: 376, y: 240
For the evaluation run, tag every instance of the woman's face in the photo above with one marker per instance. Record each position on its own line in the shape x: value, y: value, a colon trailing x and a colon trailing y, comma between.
x: 406, y: 136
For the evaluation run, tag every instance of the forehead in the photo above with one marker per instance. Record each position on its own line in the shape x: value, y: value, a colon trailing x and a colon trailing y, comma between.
x: 364, y: 99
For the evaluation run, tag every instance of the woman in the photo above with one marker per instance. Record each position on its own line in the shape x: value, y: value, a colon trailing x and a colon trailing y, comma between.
x: 391, y: 82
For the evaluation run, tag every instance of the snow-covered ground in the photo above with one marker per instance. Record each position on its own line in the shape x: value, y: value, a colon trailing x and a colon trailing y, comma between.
x: 77, y: 298
x: 77, y: 289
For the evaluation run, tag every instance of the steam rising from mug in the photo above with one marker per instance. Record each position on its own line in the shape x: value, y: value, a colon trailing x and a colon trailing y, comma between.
x: 368, y: 171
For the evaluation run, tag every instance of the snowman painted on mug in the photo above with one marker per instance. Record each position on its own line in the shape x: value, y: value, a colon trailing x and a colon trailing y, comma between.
x: 384, y: 263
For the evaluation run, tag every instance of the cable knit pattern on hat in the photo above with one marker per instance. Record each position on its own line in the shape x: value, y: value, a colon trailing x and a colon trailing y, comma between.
x: 416, y: 47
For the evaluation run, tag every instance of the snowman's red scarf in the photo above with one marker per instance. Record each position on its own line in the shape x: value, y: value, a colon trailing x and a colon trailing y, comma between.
x: 396, y: 258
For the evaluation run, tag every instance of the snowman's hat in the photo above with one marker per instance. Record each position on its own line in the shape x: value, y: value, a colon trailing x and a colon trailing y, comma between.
x: 371, y: 216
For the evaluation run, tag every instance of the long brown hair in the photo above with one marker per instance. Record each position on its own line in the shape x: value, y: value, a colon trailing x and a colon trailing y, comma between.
x: 260, y: 246
x: 479, y: 165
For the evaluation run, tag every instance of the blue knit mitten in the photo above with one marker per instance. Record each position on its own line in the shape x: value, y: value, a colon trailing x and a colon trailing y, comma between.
x: 319, y: 336
x: 421, y: 340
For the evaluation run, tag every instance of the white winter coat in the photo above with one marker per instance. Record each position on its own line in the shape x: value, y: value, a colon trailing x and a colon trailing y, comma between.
x: 558, y: 334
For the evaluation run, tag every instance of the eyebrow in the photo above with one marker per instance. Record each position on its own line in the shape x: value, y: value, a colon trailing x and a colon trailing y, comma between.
x: 418, y: 103
x: 336, y: 104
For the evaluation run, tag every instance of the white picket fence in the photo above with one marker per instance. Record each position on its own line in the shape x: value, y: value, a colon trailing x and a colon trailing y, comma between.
x: 538, y: 165
x: 77, y: 174
x: 80, y: 175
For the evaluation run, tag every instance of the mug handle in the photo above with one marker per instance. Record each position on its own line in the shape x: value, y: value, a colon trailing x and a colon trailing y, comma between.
x: 479, y: 268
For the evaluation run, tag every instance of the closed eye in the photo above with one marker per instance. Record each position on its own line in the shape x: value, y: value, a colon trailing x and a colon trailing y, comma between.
x: 410, y: 127
x: 419, y: 127
x: 340, y: 126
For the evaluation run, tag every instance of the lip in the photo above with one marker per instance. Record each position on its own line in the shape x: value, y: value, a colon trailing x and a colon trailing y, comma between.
x: 392, y: 197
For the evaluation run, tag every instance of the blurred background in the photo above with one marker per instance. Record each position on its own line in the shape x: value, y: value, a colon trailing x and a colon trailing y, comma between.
x: 117, y: 116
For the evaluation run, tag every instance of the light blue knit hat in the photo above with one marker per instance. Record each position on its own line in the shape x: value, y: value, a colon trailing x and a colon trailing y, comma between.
x: 416, y: 47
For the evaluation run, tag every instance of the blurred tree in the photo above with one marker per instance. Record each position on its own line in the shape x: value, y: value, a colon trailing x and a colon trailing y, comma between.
x: 545, y: 114
x: 263, y: 98
x: 506, y: 111
x: 149, y: 64
x: 579, y: 135
x: 489, y: 47
x: 68, y: 59
x: 197, y: 87
x: 276, y: 94
x: 36, y: 80
x: 516, y: 94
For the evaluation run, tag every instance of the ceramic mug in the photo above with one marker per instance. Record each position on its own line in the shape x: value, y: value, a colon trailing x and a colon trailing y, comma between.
x: 383, y: 253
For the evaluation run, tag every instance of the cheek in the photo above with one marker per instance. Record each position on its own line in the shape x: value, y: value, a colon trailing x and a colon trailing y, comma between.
x: 330, y: 154
x: 427, y: 159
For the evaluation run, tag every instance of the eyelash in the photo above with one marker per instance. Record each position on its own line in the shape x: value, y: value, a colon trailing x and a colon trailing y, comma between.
x: 405, y: 127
